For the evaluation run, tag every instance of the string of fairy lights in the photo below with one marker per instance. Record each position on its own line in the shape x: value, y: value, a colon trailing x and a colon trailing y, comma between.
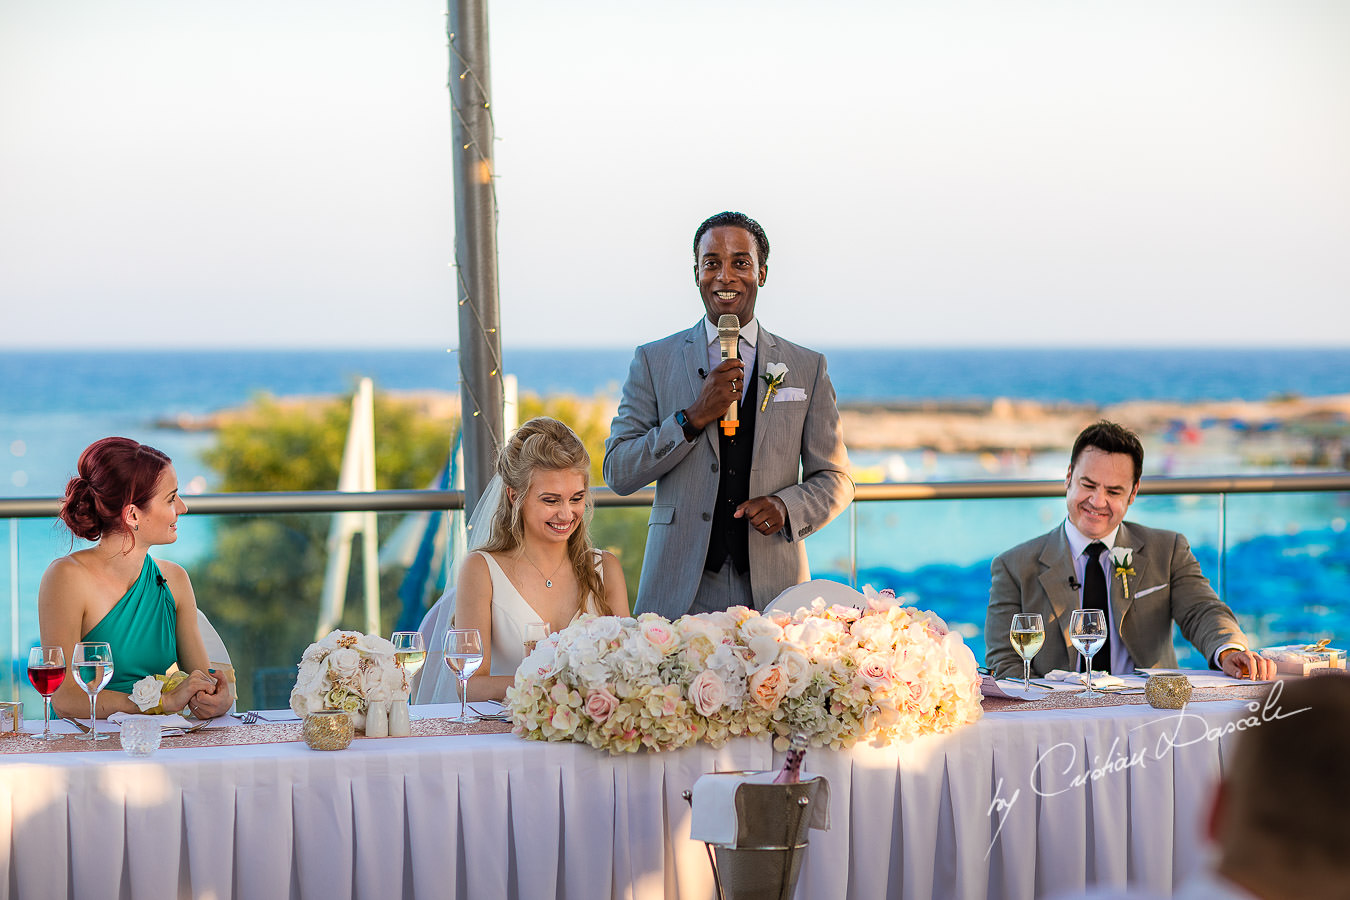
x: 486, y: 176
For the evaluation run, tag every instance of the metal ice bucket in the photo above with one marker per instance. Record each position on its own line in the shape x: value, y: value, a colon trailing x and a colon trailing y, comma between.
x: 771, y: 825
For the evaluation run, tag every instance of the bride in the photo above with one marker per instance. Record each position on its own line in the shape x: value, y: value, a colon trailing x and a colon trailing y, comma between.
x: 536, y: 562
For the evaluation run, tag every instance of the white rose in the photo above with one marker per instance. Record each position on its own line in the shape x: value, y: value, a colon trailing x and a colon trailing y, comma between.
x: 147, y: 692
x: 343, y: 662
x: 372, y: 683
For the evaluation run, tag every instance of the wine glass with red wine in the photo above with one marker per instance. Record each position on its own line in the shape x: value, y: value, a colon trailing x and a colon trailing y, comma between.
x: 46, y: 669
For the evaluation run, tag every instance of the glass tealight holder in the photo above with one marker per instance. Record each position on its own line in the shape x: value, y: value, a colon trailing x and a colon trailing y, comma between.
x: 328, y: 729
x: 140, y: 735
x: 1167, y: 691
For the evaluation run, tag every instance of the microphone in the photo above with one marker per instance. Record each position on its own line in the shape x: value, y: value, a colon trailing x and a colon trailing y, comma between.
x: 162, y: 580
x: 702, y: 372
x: 1073, y: 583
x: 729, y: 336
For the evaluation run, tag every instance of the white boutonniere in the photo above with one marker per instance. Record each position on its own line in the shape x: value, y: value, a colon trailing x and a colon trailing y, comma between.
x: 773, y: 376
x: 1123, y: 559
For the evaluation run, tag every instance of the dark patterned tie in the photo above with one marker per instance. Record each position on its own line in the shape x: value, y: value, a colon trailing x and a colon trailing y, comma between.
x: 1094, y: 597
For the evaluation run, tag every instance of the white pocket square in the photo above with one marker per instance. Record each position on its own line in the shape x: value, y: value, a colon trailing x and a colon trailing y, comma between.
x: 1146, y: 591
x: 789, y: 393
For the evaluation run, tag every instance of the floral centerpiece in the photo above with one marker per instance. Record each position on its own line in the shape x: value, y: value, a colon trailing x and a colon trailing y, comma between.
x: 838, y: 675
x: 348, y: 670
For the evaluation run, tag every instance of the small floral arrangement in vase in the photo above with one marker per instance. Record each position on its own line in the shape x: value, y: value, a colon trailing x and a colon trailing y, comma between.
x: 348, y: 670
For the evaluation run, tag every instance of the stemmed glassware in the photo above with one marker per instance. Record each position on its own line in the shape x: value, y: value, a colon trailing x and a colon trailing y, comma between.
x: 410, y: 649
x: 463, y: 654
x: 92, y: 663
x: 534, y: 633
x: 46, y: 670
x: 1087, y: 632
x: 1027, y: 635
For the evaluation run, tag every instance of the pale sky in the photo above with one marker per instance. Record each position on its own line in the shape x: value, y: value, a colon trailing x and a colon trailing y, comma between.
x: 256, y: 173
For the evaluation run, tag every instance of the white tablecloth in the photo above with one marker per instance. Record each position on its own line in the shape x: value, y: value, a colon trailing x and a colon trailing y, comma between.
x: 493, y: 816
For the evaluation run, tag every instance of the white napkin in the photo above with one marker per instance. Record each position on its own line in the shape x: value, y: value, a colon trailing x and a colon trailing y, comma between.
x: 169, y: 720
x: 1099, y: 679
x: 714, y: 813
x: 1203, y: 678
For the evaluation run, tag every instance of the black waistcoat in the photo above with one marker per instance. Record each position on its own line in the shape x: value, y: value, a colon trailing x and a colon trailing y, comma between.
x: 731, y: 536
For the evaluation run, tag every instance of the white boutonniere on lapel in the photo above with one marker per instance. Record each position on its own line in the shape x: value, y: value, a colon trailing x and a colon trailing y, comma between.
x: 773, y: 376
x: 1123, y: 559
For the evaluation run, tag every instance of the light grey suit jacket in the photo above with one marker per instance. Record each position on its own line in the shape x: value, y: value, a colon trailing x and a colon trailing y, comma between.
x: 1167, y: 585
x: 799, y: 456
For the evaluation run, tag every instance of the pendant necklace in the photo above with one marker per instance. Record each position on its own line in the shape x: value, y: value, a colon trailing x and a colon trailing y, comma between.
x: 548, y: 579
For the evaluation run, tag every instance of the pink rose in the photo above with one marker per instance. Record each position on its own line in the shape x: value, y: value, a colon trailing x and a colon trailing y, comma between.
x: 768, y: 686
x: 660, y: 635
x: 846, y: 613
x: 707, y: 692
x: 599, y: 704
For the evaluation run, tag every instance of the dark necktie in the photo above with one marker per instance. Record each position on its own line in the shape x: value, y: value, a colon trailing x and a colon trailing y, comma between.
x: 1094, y: 597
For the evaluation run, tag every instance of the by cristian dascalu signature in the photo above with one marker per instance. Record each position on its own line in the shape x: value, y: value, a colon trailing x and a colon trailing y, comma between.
x: 1185, y: 730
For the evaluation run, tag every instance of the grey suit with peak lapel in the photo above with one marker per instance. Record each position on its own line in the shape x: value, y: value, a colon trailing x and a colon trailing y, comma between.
x: 1167, y: 586
x: 798, y: 452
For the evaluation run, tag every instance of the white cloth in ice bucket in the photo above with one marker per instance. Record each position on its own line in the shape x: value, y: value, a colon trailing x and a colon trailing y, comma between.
x: 714, y: 800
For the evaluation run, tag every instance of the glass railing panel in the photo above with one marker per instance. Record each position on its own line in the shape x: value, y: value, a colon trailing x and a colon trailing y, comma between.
x: 1288, y: 565
x: 258, y: 578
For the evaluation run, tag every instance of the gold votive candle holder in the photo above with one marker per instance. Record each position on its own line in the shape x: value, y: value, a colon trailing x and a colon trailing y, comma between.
x: 11, y: 716
x: 328, y: 729
x: 1167, y: 691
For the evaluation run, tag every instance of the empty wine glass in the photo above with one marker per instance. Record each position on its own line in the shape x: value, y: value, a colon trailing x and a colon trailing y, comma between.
x: 1027, y: 636
x: 92, y: 663
x: 1087, y: 632
x: 410, y: 649
x: 463, y: 654
x: 534, y: 633
x: 46, y: 670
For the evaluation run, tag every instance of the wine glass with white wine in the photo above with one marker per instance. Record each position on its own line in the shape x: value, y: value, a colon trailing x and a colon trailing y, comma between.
x: 534, y: 633
x: 410, y: 650
x: 463, y: 654
x: 1027, y: 635
x: 92, y: 663
x: 1087, y: 632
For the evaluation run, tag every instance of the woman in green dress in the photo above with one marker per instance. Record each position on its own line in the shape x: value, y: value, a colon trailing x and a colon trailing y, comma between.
x: 125, y: 498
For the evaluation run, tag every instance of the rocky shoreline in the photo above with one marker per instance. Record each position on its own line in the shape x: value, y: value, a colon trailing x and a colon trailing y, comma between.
x: 1312, y: 431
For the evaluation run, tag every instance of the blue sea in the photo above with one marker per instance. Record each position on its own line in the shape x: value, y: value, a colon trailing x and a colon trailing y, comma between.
x: 1286, y: 557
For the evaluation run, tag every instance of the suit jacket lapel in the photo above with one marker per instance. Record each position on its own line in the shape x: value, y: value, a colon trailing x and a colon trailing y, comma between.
x: 695, y: 358
x: 1139, y: 562
x: 1057, y: 579
x: 765, y: 352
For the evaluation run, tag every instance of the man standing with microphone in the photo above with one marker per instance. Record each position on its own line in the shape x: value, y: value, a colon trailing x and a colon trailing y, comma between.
x: 745, y: 447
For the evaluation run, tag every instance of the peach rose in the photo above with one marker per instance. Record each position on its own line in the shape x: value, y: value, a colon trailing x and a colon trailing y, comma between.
x: 768, y: 686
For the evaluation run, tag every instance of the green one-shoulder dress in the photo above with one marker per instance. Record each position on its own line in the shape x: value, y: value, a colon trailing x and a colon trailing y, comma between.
x: 142, y: 629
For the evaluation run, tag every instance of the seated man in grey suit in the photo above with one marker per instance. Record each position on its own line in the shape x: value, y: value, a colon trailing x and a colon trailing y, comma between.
x: 731, y: 511
x: 1072, y: 567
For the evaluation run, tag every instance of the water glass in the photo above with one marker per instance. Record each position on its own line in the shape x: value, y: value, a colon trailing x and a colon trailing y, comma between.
x: 1087, y: 632
x: 140, y: 735
x: 92, y: 663
x: 1027, y: 635
x: 463, y: 654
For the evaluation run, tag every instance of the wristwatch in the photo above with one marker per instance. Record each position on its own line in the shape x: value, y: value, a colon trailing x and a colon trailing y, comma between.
x: 690, y: 432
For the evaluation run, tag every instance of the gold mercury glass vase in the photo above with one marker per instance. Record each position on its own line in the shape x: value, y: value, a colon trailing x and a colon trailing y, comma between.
x: 1167, y: 691
x: 328, y: 729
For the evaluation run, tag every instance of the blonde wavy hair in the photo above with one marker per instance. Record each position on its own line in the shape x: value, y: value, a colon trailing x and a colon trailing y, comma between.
x: 545, y: 444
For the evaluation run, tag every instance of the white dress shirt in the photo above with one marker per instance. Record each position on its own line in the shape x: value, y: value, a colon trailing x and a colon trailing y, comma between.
x: 746, y: 349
